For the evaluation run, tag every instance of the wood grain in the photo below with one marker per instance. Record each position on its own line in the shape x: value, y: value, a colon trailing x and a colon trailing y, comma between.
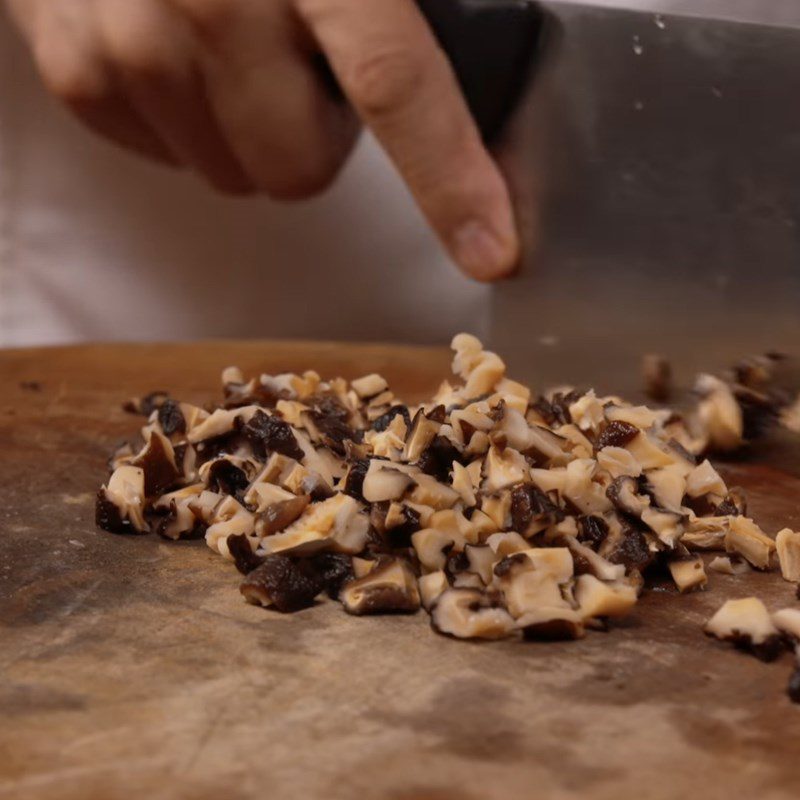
x: 131, y: 667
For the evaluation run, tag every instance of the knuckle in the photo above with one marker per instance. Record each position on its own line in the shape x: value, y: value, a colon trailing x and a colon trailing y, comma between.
x: 76, y: 81
x: 309, y: 165
x: 384, y: 80
x: 136, y: 53
x: 300, y: 183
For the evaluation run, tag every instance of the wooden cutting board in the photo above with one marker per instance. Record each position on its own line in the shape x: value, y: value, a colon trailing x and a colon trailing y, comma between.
x: 131, y: 667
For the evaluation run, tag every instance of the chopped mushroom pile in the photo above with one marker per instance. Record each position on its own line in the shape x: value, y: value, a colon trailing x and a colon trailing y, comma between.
x: 500, y: 513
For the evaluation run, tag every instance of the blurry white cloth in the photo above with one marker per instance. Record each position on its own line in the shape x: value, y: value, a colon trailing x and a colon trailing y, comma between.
x: 97, y: 244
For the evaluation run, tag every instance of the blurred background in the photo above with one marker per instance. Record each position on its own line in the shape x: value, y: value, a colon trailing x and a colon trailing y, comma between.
x: 655, y: 163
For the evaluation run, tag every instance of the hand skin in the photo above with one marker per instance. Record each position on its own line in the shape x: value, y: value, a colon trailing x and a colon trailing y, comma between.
x: 233, y: 90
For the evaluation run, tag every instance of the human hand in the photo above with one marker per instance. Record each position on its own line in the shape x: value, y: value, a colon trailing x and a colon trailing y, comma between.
x: 234, y: 90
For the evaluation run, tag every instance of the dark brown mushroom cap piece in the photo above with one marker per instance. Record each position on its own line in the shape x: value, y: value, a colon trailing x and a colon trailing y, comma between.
x: 334, y: 569
x: 616, y: 434
x: 389, y: 587
x: 269, y: 434
x: 381, y: 423
x: 353, y: 483
x: 592, y: 530
x: 282, y: 582
x: 532, y: 509
x: 329, y: 423
x: 108, y: 516
x: 279, y: 516
x: 170, y: 418
x: 551, y: 625
x: 227, y: 474
x: 157, y: 459
x: 628, y: 545
x: 241, y: 551
x: 399, y: 524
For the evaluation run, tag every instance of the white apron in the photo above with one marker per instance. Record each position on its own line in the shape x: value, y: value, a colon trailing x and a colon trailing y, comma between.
x: 97, y: 244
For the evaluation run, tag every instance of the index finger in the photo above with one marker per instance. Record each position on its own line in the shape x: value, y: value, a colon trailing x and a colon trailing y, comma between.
x: 400, y: 82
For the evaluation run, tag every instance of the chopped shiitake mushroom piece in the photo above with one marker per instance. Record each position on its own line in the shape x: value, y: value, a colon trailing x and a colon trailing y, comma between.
x: 480, y: 369
x: 747, y: 624
x: 746, y: 539
x: 618, y: 462
x: 462, y: 483
x: 719, y: 414
x: 382, y: 482
x: 668, y: 486
x: 369, y: 386
x: 470, y: 614
x: 729, y: 565
x: 688, y: 573
x: 431, y: 588
x: 230, y: 518
x: 787, y: 543
x: 706, y: 533
x: 318, y: 528
x: 120, y: 504
x: 390, y: 586
x: 601, y: 599
x: 432, y: 546
x: 428, y: 491
x: 704, y: 479
x: 502, y: 513
x: 587, y: 561
x: 551, y: 624
x: 506, y: 544
x: 280, y: 582
x: 787, y: 621
x: 421, y: 434
x: 532, y: 580
x: 278, y: 516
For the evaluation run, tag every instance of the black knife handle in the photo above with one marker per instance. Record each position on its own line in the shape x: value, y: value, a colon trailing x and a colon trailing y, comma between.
x: 493, y: 45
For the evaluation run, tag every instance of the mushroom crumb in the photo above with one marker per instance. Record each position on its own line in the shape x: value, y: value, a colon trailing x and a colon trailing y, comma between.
x: 499, y: 512
x: 787, y: 543
x: 747, y: 624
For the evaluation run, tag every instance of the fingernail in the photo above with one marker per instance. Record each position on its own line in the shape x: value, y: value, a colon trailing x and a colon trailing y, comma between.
x: 481, y: 253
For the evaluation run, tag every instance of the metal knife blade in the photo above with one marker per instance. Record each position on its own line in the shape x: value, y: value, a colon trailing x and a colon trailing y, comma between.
x: 655, y: 166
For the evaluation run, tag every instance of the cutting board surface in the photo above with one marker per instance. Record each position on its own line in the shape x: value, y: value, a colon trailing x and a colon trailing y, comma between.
x: 132, y: 667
